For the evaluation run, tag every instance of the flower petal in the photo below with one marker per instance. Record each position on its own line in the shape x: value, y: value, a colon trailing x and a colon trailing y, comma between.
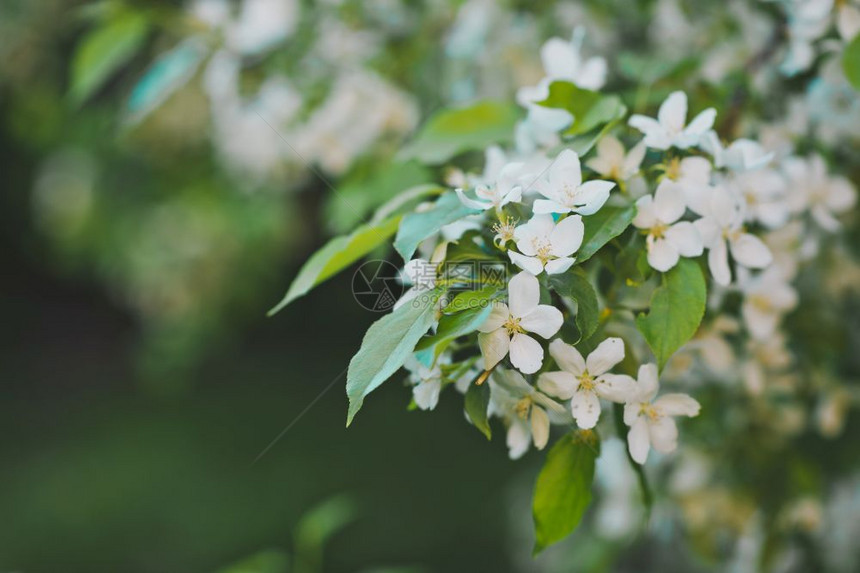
x: 560, y: 384
x: 664, y: 435
x: 645, y: 217
x: 669, y: 204
x: 567, y: 236
x: 494, y: 346
x: 639, y: 441
x: 558, y: 266
x: 497, y: 317
x: 718, y: 261
x: 526, y: 353
x: 545, y: 320
x: 592, y: 195
x: 750, y: 251
x: 677, y: 405
x: 542, y: 206
x: 523, y: 294
x: 566, y: 170
x: 607, y: 354
x: 618, y: 388
x: 648, y: 381
x: 540, y: 427
x: 585, y: 408
x: 426, y: 394
x: 662, y: 255
x: 700, y: 124
x: 656, y: 136
x: 686, y: 239
x: 567, y: 357
x: 673, y: 112
x: 518, y: 439
x: 530, y: 264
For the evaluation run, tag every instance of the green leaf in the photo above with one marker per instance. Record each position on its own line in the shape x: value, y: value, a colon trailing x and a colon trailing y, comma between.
x: 578, y: 288
x: 476, y: 403
x: 851, y: 62
x: 602, y: 227
x: 386, y: 345
x: 453, y: 326
x: 473, y: 298
x: 589, y: 109
x: 563, y: 489
x: 360, y: 194
x: 415, y: 227
x: 319, y: 524
x: 677, y: 308
x: 452, y: 131
x: 270, y: 561
x: 466, y: 249
x: 103, y: 51
x: 168, y: 73
x: 336, y: 255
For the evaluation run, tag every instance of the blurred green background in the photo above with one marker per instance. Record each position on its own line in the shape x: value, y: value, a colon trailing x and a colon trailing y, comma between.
x: 141, y: 379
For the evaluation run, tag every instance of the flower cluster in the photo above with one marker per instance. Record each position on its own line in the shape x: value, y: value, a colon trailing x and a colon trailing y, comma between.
x: 659, y: 248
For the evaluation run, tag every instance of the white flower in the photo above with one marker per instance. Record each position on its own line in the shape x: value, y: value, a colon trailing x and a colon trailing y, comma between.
x: 848, y: 20
x: 427, y: 382
x: 808, y: 20
x: 506, y: 189
x: 669, y: 128
x: 692, y: 176
x: 564, y: 190
x: 767, y: 298
x: 667, y: 239
x: 545, y: 245
x: 562, y: 61
x: 507, y: 327
x: 741, y: 155
x: 764, y: 193
x: 722, y: 230
x: 810, y: 188
x: 611, y: 160
x: 650, y: 421
x: 261, y: 24
x: 525, y: 411
x: 584, y: 381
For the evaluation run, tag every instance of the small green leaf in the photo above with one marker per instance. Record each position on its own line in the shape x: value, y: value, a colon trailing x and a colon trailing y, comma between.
x: 103, y: 51
x: 577, y: 287
x: 563, y: 489
x: 415, y: 227
x: 386, y: 345
x: 451, y: 131
x: 677, y: 308
x: 589, y: 109
x: 452, y: 326
x: 337, y: 255
x: 270, y: 561
x: 602, y: 227
x: 476, y: 403
x: 471, y: 299
x: 851, y: 62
